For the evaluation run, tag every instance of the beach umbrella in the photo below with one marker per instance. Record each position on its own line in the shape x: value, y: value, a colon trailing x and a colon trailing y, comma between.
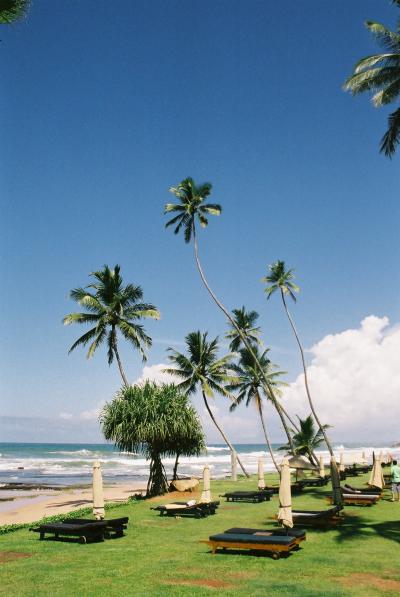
x: 285, y: 497
x: 336, y: 491
x: 342, y: 468
x: 376, y: 476
x: 261, y: 480
x: 206, y: 493
x: 301, y: 463
x: 98, y: 498
x: 321, y: 467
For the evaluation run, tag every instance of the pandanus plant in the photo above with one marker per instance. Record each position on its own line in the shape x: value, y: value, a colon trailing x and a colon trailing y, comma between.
x: 191, y: 209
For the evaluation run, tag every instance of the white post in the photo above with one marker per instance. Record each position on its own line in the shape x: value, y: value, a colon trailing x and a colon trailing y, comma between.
x: 233, y: 466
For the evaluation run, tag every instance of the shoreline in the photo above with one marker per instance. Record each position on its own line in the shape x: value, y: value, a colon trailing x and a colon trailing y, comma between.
x: 41, y: 503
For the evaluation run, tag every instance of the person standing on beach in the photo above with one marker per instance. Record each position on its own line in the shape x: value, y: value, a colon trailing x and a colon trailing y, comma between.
x: 395, y: 478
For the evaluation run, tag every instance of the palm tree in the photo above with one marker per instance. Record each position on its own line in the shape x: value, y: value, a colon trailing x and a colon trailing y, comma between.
x: 191, y: 208
x: 379, y: 74
x: 308, y: 439
x: 12, y: 10
x: 111, y: 307
x: 249, y: 385
x: 245, y: 320
x: 281, y: 280
x: 156, y: 421
x: 201, y: 368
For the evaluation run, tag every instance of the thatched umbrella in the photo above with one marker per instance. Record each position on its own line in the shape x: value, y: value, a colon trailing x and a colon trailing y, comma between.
x: 206, y: 493
x: 301, y: 463
x: 335, y: 480
x: 261, y: 480
x: 285, y: 496
x: 98, y: 498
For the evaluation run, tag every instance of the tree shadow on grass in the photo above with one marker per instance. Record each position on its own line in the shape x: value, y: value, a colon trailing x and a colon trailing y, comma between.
x: 354, y: 528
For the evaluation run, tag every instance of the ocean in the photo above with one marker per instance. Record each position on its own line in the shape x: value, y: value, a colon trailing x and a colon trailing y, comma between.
x: 71, y: 464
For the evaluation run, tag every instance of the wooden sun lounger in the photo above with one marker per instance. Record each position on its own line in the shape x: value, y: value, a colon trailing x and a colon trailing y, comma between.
x: 84, y: 532
x: 298, y: 535
x: 314, y: 482
x: 362, y: 490
x: 273, y: 544
x: 114, y: 526
x: 357, y: 499
x: 254, y: 497
x: 317, y: 518
x: 295, y: 488
x: 198, y: 510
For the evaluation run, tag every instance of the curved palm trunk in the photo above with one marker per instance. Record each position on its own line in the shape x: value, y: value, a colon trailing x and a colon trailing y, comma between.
x: 175, y: 471
x: 120, y: 367
x: 243, y: 337
x: 264, y: 426
x: 305, y: 376
x: 226, y: 440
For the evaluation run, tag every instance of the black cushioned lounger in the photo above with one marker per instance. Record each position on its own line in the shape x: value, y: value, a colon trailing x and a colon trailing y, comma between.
x: 198, y: 510
x: 317, y: 517
x: 115, y: 526
x: 363, y: 490
x: 84, y: 532
x: 298, y: 534
x: 259, y: 541
x: 248, y: 496
x: 316, y: 482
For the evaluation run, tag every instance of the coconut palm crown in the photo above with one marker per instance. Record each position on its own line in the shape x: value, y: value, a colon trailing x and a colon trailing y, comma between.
x: 245, y: 321
x: 111, y: 306
x: 12, y: 10
x: 379, y: 74
x: 280, y: 279
x: 191, y: 206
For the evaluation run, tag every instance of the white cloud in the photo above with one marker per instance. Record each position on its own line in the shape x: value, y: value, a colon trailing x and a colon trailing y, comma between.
x: 156, y: 373
x: 354, y: 379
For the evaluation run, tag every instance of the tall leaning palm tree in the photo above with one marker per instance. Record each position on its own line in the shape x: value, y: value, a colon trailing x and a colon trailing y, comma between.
x: 12, y: 10
x: 246, y: 321
x: 111, y: 307
x: 250, y: 386
x: 192, y: 209
x: 379, y: 74
x: 281, y: 280
x: 202, y: 369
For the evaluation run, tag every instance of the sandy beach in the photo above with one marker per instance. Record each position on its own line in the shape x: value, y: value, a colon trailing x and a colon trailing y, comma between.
x: 33, y: 505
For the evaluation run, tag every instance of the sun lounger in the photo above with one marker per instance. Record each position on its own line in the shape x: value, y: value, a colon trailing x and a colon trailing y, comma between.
x: 357, y: 499
x: 317, y: 518
x: 297, y: 534
x: 313, y: 482
x: 191, y: 508
x: 114, y: 526
x: 84, y: 532
x: 248, y: 496
x: 295, y: 488
x: 272, y: 543
x: 362, y: 490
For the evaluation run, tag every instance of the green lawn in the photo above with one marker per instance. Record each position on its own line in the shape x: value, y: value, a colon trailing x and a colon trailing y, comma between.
x: 163, y: 556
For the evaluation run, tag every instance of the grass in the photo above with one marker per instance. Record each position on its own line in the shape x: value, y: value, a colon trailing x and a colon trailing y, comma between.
x: 164, y: 556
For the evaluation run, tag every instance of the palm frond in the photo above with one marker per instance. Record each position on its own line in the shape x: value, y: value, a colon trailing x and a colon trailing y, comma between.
x: 12, y: 10
x: 391, y: 138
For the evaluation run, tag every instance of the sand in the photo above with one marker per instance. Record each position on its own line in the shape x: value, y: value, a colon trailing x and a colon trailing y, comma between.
x: 40, y: 503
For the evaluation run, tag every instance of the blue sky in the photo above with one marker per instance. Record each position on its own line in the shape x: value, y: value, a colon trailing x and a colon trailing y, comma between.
x: 104, y: 107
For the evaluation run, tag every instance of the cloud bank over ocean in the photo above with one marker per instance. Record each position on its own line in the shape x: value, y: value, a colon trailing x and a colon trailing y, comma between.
x: 354, y: 378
